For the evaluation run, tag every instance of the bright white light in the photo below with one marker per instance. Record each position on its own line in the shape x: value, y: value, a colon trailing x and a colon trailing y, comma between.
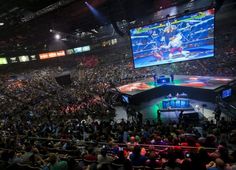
x: 23, y: 58
x: 57, y: 36
x: 1, y: 23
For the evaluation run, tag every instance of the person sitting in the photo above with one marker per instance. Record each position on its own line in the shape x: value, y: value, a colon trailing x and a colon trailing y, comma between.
x: 177, y: 95
x: 136, y: 158
x: 169, y: 96
x: 171, y: 163
x: 219, y: 164
x: 55, y: 164
x: 28, y: 153
x: 90, y: 156
x: 121, y: 160
x: 14, y: 158
x: 186, y: 165
x: 103, y: 158
x: 152, y: 161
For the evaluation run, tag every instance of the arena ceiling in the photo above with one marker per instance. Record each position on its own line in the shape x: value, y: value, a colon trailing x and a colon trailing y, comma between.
x: 25, y: 24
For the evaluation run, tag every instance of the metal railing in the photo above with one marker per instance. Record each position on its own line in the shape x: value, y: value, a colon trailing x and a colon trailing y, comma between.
x: 86, y: 143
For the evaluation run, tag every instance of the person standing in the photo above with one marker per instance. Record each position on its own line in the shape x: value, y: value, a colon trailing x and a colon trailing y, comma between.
x: 158, y: 116
x: 217, y: 113
x: 172, y: 78
x: 181, y: 116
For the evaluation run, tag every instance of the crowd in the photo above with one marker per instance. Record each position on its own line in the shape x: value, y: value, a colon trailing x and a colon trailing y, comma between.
x: 42, y: 108
x: 107, y: 144
x: 43, y: 123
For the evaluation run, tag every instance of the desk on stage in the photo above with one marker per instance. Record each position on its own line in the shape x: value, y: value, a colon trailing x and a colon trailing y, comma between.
x: 163, y: 80
x: 175, y: 102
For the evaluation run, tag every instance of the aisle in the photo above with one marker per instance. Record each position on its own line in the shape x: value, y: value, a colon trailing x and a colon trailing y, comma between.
x: 120, y: 114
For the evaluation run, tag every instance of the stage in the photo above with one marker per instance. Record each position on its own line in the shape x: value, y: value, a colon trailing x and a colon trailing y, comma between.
x: 149, y: 110
x: 203, y: 82
x: 147, y: 97
x: 197, y: 87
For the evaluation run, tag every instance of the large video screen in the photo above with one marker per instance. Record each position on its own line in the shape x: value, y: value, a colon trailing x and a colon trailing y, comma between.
x: 183, y: 38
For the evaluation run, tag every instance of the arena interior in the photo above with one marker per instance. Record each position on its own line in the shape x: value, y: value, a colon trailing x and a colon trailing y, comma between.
x: 118, y: 84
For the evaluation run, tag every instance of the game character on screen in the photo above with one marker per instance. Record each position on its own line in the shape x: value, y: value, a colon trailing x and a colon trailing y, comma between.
x: 157, y: 53
x: 173, y: 39
x: 175, y: 46
x: 169, y: 31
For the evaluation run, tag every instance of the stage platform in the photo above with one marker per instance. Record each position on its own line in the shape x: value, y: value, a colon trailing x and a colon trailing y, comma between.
x: 203, y: 88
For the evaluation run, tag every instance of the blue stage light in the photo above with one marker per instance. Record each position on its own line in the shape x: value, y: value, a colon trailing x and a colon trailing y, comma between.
x: 101, y: 18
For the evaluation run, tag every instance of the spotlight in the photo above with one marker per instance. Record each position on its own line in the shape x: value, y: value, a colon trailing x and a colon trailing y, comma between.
x: 1, y: 23
x: 101, y: 18
x: 57, y: 36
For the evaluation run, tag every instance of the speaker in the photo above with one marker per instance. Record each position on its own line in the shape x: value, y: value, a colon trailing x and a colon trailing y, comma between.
x: 63, y: 79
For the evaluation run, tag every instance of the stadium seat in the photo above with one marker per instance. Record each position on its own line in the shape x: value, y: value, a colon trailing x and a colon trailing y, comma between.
x: 117, y: 166
x: 26, y: 167
x: 3, y: 165
x: 149, y: 168
x: 88, y: 162
x: 105, y: 166
x: 33, y: 168
x: 138, y: 167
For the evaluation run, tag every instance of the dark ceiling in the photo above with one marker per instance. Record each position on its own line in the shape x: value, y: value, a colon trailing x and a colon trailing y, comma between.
x: 27, y: 22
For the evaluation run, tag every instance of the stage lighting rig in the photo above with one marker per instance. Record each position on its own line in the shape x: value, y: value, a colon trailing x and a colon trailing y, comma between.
x: 46, y: 10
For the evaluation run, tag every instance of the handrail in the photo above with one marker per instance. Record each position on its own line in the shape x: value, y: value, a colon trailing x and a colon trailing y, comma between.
x: 230, y: 108
x: 82, y: 142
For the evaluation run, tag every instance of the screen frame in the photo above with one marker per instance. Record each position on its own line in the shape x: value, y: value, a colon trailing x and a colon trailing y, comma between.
x: 170, y: 18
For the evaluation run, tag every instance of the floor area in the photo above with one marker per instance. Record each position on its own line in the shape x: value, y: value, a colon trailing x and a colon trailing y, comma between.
x: 149, y: 111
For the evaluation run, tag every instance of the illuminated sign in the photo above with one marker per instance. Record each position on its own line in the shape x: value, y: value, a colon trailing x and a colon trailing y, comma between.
x: 33, y: 57
x: 43, y: 56
x: 70, y: 51
x: 61, y: 53
x: 13, y: 60
x: 82, y: 49
x: 86, y: 48
x: 52, y: 54
x: 78, y: 50
x: 3, y: 61
x: 24, y: 58
x: 109, y: 42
